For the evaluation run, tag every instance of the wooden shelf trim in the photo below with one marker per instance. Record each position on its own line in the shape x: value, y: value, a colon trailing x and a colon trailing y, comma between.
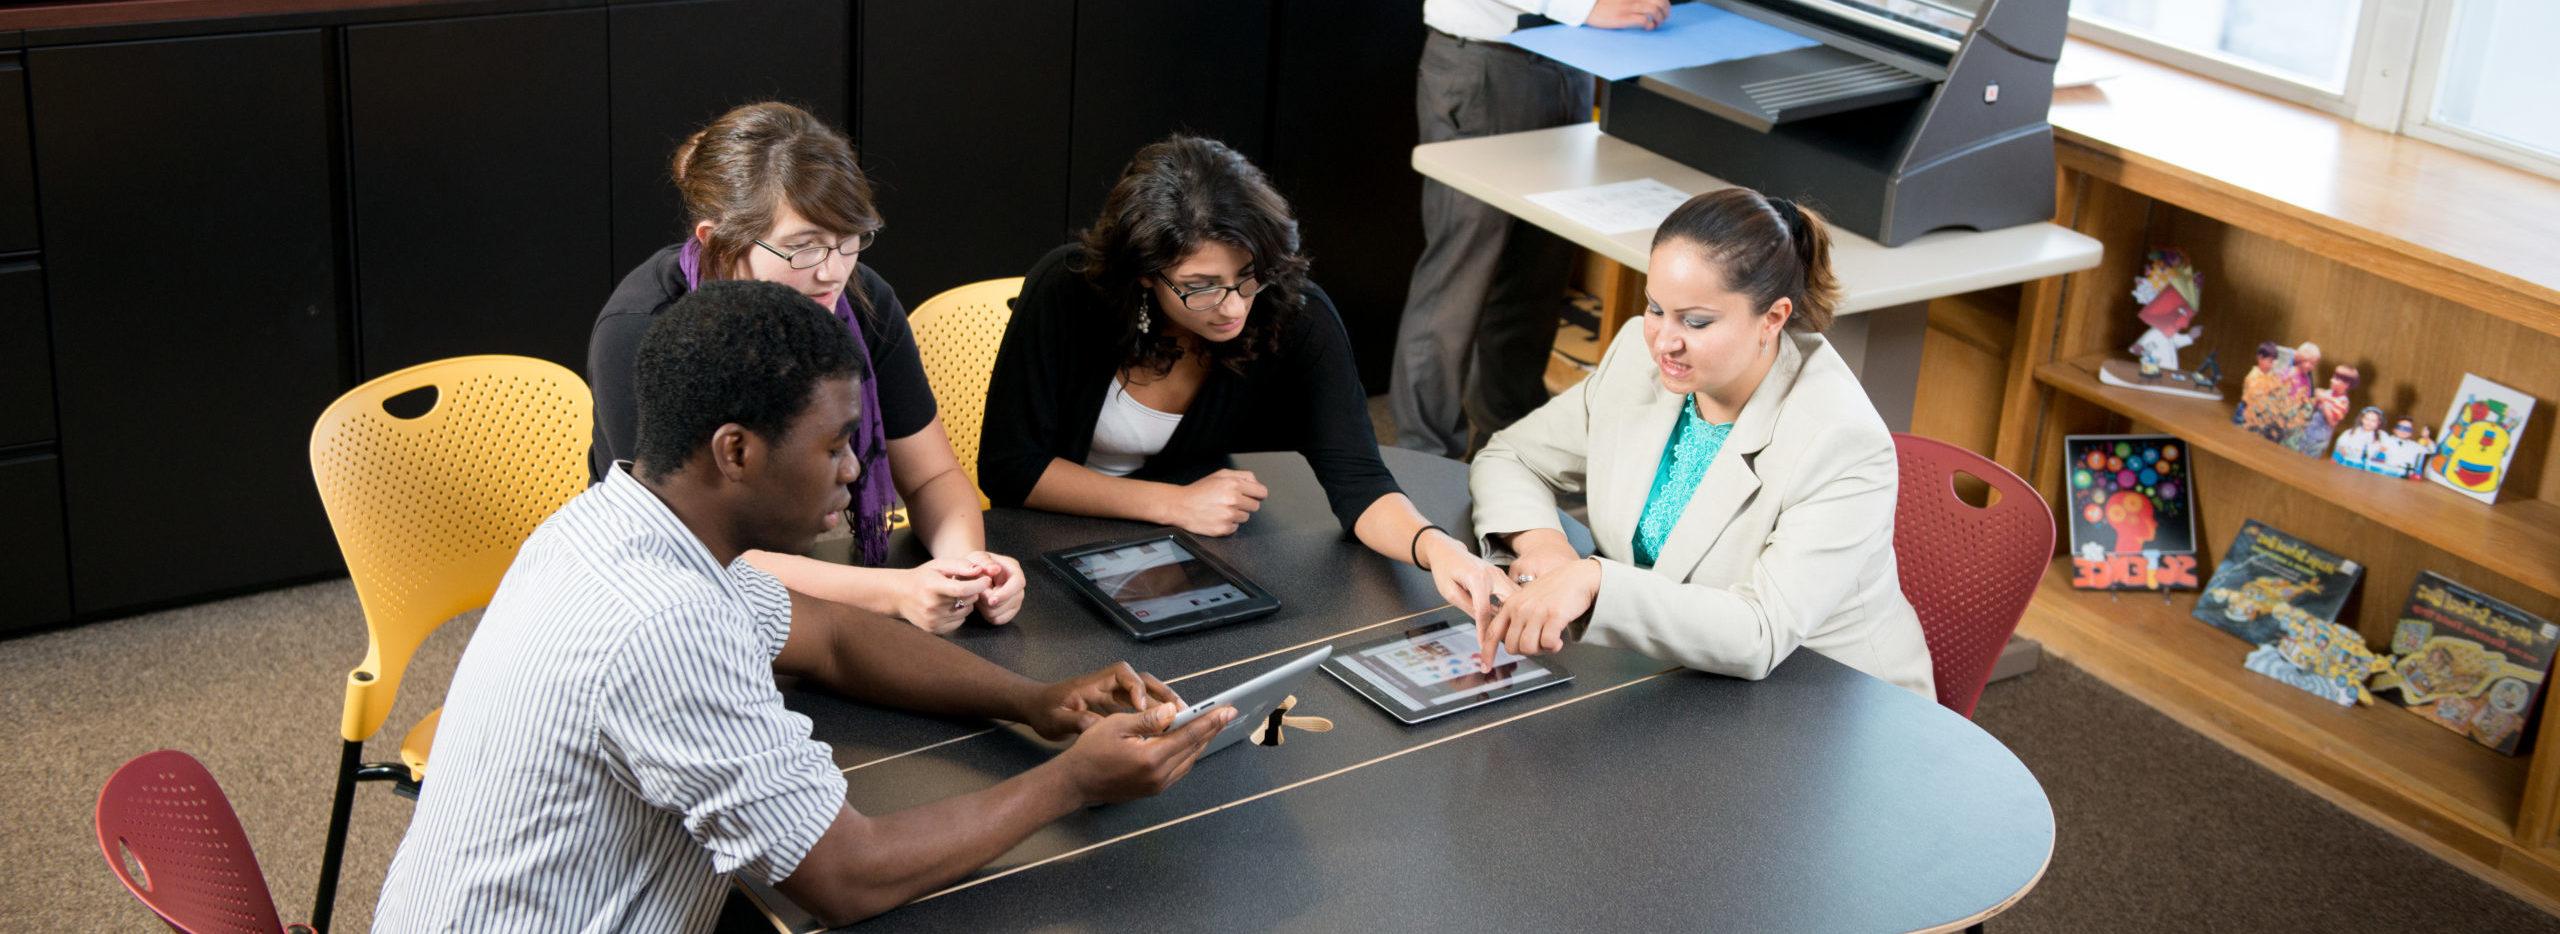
x: 2430, y: 779
x: 2518, y: 538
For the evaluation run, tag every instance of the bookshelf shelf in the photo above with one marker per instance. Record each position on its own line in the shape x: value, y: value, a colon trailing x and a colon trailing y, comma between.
x: 2385, y: 759
x: 2518, y: 537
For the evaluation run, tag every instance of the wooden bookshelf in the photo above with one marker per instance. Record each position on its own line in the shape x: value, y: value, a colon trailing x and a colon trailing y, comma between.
x: 2383, y: 757
x: 2417, y: 265
x: 2518, y: 538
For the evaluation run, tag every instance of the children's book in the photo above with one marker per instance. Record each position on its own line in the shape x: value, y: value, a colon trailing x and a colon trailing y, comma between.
x: 2481, y: 434
x: 2469, y: 662
x: 2133, y: 513
x: 2268, y: 578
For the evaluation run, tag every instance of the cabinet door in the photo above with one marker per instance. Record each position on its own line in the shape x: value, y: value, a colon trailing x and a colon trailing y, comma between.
x: 191, y: 267
x: 35, y: 577
x: 1148, y: 68
x: 676, y: 66
x: 964, y: 131
x: 17, y: 174
x: 26, y: 356
x: 1342, y: 136
x: 482, y: 193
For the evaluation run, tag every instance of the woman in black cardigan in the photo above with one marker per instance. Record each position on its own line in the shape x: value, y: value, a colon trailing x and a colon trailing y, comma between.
x: 1182, y: 330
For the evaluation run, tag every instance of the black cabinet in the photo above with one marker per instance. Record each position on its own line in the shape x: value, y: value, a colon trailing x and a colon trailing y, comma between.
x: 1148, y: 68
x: 963, y: 121
x: 35, y: 578
x: 17, y: 173
x: 676, y: 66
x: 482, y: 187
x: 1342, y: 136
x: 191, y: 272
x: 26, y: 357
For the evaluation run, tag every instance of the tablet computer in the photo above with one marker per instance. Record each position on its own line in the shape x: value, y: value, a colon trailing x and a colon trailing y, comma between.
x: 1253, y: 700
x: 1431, y: 671
x: 1160, y: 584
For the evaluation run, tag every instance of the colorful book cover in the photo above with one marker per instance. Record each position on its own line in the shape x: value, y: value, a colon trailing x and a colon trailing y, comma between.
x: 2481, y: 434
x: 2469, y: 662
x: 2133, y: 513
x: 2268, y: 578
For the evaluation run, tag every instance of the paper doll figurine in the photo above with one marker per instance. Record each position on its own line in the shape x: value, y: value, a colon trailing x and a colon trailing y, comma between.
x: 2362, y: 445
x: 2327, y: 408
x: 2166, y: 319
x: 2407, y: 450
x: 2167, y: 290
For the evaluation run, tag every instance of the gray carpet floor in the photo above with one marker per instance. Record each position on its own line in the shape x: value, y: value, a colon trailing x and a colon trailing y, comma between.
x: 2159, y: 828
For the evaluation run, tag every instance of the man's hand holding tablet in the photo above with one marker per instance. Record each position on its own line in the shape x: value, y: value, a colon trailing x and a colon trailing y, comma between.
x: 1127, y: 756
x: 1074, y: 705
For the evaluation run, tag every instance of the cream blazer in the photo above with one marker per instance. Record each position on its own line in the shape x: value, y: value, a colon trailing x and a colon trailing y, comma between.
x: 1787, y: 542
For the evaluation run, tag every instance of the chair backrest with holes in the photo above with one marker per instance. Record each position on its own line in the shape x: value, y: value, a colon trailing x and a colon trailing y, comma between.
x: 1967, y: 570
x: 429, y: 511
x: 957, y: 333
x: 190, y: 862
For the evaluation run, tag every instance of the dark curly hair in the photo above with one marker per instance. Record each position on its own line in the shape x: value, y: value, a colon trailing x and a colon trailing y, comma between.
x: 1175, y: 196
x: 732, y: 351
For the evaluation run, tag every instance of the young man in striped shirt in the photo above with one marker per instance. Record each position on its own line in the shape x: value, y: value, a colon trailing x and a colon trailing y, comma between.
x: 614, y: 746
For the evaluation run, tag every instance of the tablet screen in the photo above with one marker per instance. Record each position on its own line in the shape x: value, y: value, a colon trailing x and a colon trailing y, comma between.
x: 1157, y: 579
x: 1433, y: 670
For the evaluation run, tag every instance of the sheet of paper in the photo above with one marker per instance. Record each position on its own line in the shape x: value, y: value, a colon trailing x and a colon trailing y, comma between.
x: 1694, y: 34
x: 1614, y: 208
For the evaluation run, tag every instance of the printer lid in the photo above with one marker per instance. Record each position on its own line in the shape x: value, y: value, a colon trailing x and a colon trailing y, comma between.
x: 1873, y: 52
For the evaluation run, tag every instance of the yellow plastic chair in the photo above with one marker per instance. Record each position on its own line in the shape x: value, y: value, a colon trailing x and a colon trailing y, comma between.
x: 429, y: 512
x: 957, y: 333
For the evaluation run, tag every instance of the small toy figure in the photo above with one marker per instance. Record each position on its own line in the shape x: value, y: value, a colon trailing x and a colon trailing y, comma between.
x: 2327, y: 408
x: 2167, y: 290
x: 2362, y: 446
x: 2257, y: 385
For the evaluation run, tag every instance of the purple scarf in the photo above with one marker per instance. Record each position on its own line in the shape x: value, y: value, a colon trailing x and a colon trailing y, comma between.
x: 873, y: 493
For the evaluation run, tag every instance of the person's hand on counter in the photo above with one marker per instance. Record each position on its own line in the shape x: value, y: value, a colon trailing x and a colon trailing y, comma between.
x: 1628, y: 14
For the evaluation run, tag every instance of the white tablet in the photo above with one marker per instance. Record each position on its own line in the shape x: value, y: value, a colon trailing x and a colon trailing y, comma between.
x: 1253, y: 700
x: 1431, y: 671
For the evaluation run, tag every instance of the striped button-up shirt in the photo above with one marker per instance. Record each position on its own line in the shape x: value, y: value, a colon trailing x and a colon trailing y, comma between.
x: 613, y: 746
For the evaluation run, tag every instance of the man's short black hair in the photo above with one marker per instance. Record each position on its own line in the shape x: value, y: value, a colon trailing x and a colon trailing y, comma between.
x: 739, y: 351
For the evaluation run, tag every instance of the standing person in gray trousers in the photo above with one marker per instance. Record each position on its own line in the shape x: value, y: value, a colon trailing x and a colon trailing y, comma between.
x: 1480, y: 314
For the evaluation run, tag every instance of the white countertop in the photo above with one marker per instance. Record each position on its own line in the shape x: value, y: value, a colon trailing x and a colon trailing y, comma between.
x: 1504, y: 170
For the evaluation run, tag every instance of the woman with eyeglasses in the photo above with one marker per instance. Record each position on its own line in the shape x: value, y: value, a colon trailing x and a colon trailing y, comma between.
x: 775, y: 194
x: 1180, y: 330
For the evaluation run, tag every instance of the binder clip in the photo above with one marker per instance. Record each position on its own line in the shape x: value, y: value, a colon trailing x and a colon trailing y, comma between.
x: 1274, y: 730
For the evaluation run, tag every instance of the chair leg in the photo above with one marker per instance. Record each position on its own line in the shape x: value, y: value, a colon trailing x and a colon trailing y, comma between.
x: 341, y: 809
x: 1975, y: 929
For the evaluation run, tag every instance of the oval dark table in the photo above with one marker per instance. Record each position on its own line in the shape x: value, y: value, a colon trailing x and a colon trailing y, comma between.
x: 1638, y: 796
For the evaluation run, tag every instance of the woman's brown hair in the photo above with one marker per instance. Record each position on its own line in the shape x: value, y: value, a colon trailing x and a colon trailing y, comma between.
x: 1175, y: 196
x: 736, y: 171
x: 1769, y: 248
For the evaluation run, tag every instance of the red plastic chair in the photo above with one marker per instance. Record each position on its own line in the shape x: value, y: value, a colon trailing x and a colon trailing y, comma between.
x: 163, y: 815
x: 1968, y: 571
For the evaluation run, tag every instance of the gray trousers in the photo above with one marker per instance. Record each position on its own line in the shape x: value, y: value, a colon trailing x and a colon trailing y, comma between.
x: 1480, y: 314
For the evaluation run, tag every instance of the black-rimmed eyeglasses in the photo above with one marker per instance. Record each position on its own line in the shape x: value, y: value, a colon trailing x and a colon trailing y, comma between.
x: 808, y: 257
x: 1208, y: 297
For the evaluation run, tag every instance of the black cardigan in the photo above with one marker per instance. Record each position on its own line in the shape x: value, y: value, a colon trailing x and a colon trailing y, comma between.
x: 1056, y: 365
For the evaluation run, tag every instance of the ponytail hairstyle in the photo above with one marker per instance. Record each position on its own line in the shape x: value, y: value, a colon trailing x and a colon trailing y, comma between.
x: 758, y: 157
x: 1176, y: 196
x: 1768, y: 247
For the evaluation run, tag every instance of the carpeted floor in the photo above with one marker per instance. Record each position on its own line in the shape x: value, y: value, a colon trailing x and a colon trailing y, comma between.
x: 2160, y: 829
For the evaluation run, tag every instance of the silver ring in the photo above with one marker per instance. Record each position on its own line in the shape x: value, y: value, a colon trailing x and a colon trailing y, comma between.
x: 1525, y: 578
x: 959, y: 604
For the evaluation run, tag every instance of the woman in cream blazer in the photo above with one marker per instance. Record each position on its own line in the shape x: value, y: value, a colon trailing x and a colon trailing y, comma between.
x: 1741, y: 487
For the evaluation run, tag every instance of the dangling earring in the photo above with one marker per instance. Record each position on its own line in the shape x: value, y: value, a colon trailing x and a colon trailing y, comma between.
x: 1142, y: 314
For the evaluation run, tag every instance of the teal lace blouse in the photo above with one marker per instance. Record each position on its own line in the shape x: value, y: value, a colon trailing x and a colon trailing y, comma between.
x: 1693, y: 446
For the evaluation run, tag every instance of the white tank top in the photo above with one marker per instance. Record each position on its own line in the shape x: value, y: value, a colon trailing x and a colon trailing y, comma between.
x: 1127, y: 432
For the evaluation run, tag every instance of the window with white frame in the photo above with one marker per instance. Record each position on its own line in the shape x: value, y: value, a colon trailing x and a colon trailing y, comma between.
x: 2477, y: 75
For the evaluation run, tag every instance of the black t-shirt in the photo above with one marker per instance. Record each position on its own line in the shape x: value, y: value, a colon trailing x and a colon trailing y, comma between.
x: 613, y: 348
x: 1061, y: 350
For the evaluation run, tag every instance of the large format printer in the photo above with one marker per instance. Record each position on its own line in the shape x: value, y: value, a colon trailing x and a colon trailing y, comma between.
x: 1909, y: 116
